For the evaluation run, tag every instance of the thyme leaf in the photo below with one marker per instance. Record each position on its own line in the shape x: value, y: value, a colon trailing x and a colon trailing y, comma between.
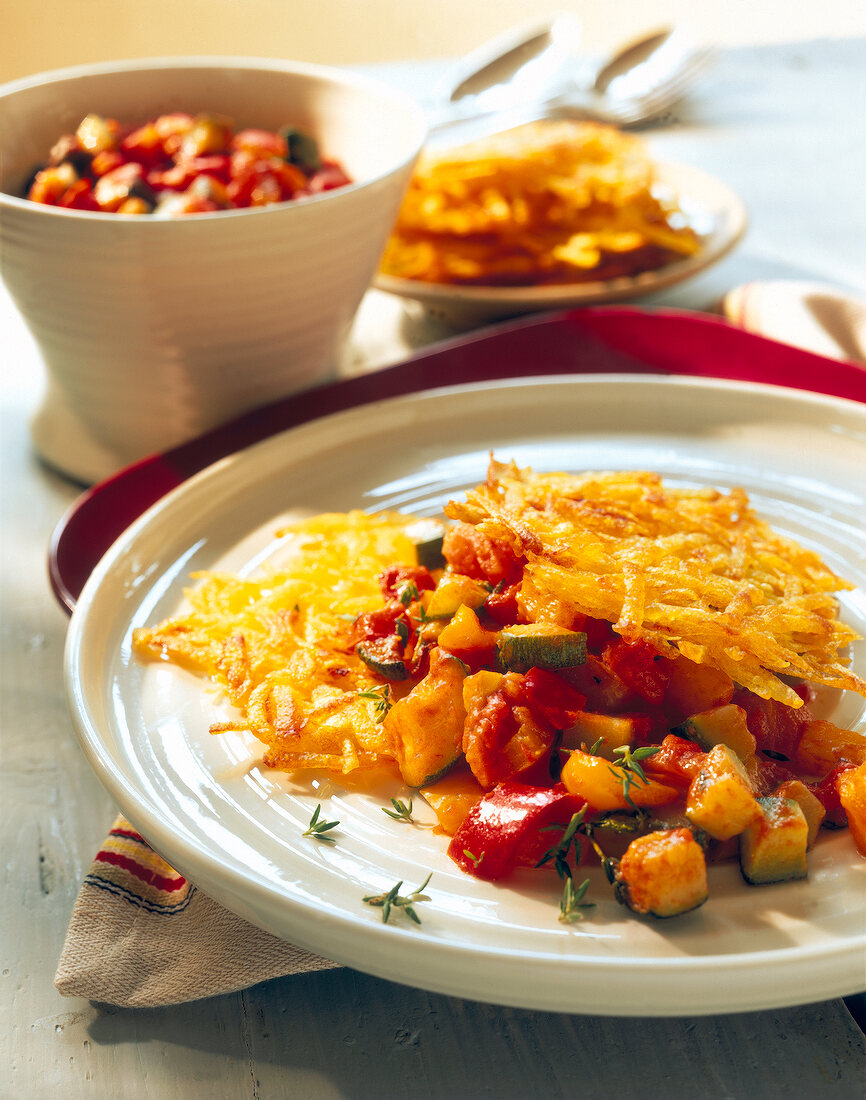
x: 393, y: 899
x: 318, y: 829
x: 380, y: 698
x: 572, y: 903
x: 401, y: 811
x: 559, y: 852
x: 408, y: 593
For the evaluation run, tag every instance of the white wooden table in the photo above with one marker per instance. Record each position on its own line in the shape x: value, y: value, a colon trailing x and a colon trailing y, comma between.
x: 782, y: 125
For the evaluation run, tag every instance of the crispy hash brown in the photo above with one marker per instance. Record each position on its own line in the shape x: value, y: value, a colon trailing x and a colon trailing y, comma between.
x: 549, y: 202
x: 693, y: 571
x: 279, y: 644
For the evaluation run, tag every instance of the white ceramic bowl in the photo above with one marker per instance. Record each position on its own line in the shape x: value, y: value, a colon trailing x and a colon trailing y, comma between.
x: 153, y: 330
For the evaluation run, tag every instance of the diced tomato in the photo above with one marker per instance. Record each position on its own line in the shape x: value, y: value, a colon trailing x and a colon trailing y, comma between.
x: 378, y: 624
x: 827, y: 792
x: 395, y: 579
x: 504, y: 829
x: 113, y: 188
x: 599, y: 633
x: 327, y: 178
x: 773, y: 725
x: 182, y: 175
x: 263, y: 143
x: 676, y: 763
x: 502, y: 737
x: 636, y: 665
x: 469, y: 551
x: 501, y: 606
x: 79, y: 197
x: 144, y: 145
x: 551, y: 697
x: 106, y: 162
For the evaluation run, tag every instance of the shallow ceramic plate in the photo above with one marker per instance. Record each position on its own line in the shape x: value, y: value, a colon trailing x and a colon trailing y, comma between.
x: 712, y: 208
x: 234, y: 828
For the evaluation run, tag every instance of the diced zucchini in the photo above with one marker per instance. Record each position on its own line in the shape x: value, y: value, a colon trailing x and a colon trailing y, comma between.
x: 380, y: 655
x: 721, y: 800
x: 823, y: 744
x: 426, y: 726
x: 429, y: 553
x: 602, y: 784
x: 812, y: 807
x: 453, y: 590
x: 663, y: 874
x: 611, y: 729
x: 301, y: 149
x: 773, y: 847
x: 464, y: 632
x: 725, y: 725
x: 540, y: 645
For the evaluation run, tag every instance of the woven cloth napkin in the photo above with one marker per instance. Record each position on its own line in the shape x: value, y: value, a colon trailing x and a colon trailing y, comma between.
x: 142, y: 935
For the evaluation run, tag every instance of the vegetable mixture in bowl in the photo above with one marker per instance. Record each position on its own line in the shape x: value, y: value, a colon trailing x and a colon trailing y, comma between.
x: 180, y: 164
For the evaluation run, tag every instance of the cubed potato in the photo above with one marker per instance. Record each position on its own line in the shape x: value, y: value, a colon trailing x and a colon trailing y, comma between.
x: 721, y: 800
x: 663, y: 873
x: 812, y: 807
x: 773, y: 847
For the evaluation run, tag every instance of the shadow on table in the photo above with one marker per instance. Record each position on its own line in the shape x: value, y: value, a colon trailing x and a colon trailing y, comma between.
x: 345, y: 1034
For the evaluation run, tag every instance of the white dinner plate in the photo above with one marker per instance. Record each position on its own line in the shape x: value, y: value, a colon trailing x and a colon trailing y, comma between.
x: 715, y: 212
x: 234, y: 828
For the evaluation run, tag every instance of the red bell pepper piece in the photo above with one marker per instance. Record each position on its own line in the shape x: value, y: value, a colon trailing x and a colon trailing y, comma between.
x: 504, y: 829
x: 550, y: 696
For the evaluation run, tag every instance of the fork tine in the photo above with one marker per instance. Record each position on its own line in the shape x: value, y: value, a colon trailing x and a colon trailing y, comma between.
x: 643, y: 108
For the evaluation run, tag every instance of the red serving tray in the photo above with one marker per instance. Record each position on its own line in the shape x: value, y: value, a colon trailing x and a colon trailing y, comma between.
x: 603, y: 340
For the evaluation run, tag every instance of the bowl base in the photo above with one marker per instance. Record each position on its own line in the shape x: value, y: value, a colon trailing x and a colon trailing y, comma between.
x: 67, y: 446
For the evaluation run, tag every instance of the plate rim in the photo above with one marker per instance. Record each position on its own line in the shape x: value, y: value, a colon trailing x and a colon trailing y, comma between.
x: 95, y: 750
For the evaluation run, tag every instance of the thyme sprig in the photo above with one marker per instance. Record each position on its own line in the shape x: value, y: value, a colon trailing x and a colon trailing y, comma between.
x: 380, y: 698
x: 571, y: 904
x: 559, y: 852
x: 408, y: 593
x: 401, y: 812
x: 318, y: 829
x: 629, y: 771
x: 393, y: 899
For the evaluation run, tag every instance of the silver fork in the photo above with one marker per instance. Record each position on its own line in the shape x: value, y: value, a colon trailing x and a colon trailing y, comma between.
x: 627, y: 110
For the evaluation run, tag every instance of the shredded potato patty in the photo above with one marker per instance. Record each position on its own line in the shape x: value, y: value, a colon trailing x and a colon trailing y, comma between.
x: 549, y: 202
x: 278, y: 644
x: 693, y: 571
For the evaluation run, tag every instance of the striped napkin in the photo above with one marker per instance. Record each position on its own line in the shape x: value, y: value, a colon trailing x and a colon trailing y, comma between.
x: 141, y: 935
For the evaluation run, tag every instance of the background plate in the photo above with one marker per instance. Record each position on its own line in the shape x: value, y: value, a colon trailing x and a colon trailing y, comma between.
x: 711, y: 207
x: 234, y: 828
